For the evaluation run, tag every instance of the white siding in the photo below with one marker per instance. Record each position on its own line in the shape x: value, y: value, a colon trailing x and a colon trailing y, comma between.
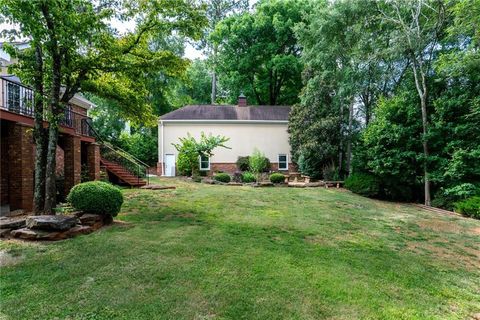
x: 269, y: 138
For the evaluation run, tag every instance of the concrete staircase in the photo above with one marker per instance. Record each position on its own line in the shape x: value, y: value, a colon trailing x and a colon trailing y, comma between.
x: 122, y: 173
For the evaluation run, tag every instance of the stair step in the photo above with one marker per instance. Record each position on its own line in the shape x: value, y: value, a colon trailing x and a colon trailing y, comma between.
x: 123, y: 174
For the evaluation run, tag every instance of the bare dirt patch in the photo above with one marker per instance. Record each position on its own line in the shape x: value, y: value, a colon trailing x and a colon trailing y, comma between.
x: 454, y: 255
x: 9, y: 259
x: 441, y: 226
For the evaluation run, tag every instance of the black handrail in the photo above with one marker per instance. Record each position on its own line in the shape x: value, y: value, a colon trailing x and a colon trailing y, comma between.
x: 138, y: 165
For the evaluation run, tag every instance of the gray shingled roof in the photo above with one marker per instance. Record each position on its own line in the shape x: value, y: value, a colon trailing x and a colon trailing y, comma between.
x: 223, y: 112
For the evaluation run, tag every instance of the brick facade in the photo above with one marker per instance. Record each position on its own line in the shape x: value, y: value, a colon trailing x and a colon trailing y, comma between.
x: 232, y: 168
x: 93, y: 161
x: 72, y: 162
x: 20, y: 167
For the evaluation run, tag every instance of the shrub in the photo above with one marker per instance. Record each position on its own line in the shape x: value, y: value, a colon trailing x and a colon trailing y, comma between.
x: 277, y: 178
x: 469, y: 207
x: 447, y: 198
x: 248, y: 177
x: 258, y: 163
x: 96, y: 197
x: 363, y: 184
x: 222, y: 177
x: 243, y: 163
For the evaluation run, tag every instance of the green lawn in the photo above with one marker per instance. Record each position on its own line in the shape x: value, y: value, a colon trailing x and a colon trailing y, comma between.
x: 217, y: 252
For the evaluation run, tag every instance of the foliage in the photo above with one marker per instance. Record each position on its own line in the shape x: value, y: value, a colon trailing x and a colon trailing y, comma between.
x: 469, y: 207
x: 277, y: 177
x: 259, y: 54
x: 363, y: 184
x: 390, y: 147
x: 258, y: 163
x: 96, y: 197
x: 248, y: 177
x: 243, y: 163
x: 187, y: 160
x: 222, y: 177
x: 142, y: 144
x: 73, y: 48
x: 190, y: 150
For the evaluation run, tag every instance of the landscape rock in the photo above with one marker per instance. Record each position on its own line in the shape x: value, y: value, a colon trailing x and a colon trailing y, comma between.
x: 208, y: 181
x: 157, y: 187
x: 234, y: 184
x: 78, y: 230
x: 29, y: 234
x: 16, y: 213
x: 4, y: 233
x: 12, y: 223
x: 107, y: 219
x: 51, y: 222
x: 263, y: 184
x: 89, y: 219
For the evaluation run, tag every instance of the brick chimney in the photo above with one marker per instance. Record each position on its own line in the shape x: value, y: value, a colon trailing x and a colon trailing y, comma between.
x: 242, y: 100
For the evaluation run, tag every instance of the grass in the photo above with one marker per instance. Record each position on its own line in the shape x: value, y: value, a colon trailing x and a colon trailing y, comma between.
x: 221, y: 252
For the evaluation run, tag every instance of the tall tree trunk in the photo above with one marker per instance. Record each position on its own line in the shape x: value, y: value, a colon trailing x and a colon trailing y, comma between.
x: 340, y: 147
x: 214, y: 76
x: 40, y: 135
x: 50, y: 174
x: 55, y: 112
x: 349, y: 142
x: 421, y: 85
x: 425, y: 151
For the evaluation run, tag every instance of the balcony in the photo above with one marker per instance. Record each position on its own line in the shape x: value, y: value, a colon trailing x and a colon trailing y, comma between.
x: 18, y: 99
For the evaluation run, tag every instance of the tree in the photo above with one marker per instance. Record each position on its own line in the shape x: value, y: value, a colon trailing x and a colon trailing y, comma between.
x: 81, y: 52
x: 190, y: 150
x: 419, y: 28
x: 259, y: 54
x: 345, y: 73
x: 217, y: 10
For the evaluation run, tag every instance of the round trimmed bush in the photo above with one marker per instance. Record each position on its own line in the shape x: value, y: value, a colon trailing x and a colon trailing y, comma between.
x: 243, y: 163
x: 277, y: 178
x: 248, y: 177
x: 363, y: 184
x: 96, y: 197
x: 222, y: 177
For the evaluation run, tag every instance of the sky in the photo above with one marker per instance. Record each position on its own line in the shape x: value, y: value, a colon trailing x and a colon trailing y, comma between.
x: 190, y: 51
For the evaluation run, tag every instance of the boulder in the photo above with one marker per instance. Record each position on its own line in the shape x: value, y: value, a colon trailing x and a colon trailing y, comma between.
x: 263, y: 184
x: 16, y: 213
x: 77, y: 230
x: 107, y: 219
x: 29, y: 234
x: 89, y: 219
x: 12, y: 223
x: 52, y: 223
x: 234, y: 184
x: 4, y: 233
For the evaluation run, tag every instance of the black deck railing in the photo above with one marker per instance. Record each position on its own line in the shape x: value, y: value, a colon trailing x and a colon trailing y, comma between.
x: 19, y: 99
x: 16, y: 98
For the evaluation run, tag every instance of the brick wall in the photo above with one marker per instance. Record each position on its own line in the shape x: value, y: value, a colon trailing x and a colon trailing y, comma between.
x: 73, y: 162
x: 21, y: 166
x: 4, y: 166
x: 93, y: 161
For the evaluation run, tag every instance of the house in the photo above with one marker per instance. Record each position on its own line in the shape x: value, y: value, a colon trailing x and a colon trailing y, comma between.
x: 248, y: 128
x: 77, y: 149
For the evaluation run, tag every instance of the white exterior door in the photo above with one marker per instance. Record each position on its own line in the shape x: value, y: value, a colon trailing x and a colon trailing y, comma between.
x: 170, y: 165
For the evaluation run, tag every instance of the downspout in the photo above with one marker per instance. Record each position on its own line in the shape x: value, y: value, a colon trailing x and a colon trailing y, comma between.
x: 161, y: 149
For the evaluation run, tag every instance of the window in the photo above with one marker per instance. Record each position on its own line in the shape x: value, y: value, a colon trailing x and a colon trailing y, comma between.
x: 282, y: 162
x: 204, y: 163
